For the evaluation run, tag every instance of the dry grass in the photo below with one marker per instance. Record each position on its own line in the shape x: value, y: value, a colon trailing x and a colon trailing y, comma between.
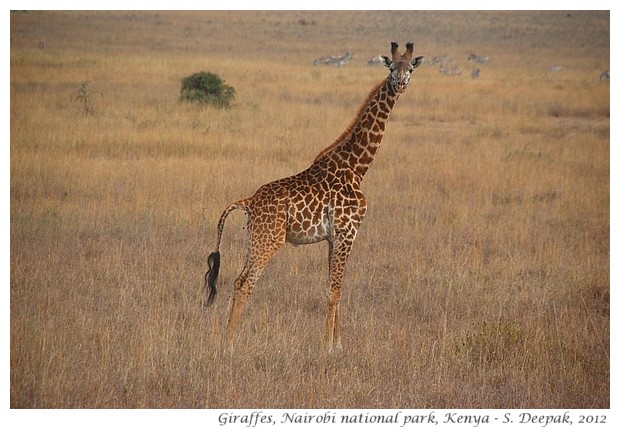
x: 480, y: 277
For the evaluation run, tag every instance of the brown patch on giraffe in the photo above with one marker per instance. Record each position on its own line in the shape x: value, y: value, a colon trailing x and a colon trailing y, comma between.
x: 357, y: 150
x: 375, y: 138
x: 366, y: 159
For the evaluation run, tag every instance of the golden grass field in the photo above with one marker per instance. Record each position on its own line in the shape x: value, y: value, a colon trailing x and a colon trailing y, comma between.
x: 479, y: 279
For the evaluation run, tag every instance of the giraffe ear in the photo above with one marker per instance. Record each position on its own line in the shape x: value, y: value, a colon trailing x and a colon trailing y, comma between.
x: 385, y: 60
x: 417, y: 61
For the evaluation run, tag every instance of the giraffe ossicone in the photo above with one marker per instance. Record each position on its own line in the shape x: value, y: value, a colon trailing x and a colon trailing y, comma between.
x: 323, y: 202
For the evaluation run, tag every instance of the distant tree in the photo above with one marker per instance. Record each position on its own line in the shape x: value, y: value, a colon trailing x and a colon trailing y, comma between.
x: 207, y: 88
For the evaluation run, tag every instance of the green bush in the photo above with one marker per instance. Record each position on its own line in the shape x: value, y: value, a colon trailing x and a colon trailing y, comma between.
x: 207, y: 88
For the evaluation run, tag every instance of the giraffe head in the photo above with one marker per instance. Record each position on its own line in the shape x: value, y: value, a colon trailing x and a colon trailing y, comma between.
x: 401, y: 66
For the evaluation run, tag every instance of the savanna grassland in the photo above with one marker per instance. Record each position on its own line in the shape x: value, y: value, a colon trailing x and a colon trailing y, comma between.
x: 479, y: 279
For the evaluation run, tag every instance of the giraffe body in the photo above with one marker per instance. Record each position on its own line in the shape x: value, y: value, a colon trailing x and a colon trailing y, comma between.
x: 322, y: 202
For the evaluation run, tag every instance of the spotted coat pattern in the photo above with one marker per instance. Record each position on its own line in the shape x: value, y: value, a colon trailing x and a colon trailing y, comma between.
x: 323, y: 202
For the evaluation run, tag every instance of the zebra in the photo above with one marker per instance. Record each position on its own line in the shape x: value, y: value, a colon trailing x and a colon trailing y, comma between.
x: 334, y: 60
x: 604, y: 75
x: 477, y: 58
x: 475, y: 73
x: 375, y: 61
x: 438, y: 60
x: 453, y: 70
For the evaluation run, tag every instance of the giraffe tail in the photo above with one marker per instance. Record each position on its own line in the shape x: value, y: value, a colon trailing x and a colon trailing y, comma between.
x: 213, y: 261
x: 211, y: 276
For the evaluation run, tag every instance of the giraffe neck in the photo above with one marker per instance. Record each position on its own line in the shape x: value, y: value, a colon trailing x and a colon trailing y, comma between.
x: 356, y: 148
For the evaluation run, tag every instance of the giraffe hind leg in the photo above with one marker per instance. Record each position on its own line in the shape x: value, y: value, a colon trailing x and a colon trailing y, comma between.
x: 260, y: 255
x: 240, y: 297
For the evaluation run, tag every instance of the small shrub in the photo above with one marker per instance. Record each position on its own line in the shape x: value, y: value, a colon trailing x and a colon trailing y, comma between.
x: 207, y: 88
x: 83, y: 94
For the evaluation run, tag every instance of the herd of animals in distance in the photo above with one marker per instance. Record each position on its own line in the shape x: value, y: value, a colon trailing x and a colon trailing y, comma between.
x: 446, y: 65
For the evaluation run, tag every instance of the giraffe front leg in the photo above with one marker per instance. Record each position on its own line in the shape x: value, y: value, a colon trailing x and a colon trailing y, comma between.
x: 337, y: 342
x: 332, y: 335
x: 338, y: 255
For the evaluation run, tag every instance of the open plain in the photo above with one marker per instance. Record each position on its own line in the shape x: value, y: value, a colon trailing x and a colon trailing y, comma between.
x: 479, y: 278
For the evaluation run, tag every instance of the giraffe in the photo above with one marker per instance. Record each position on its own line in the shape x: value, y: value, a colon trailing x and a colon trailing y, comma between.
x: 323, y: 202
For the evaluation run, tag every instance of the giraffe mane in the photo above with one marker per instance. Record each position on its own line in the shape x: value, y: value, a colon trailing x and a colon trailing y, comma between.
x: 345, y: 135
